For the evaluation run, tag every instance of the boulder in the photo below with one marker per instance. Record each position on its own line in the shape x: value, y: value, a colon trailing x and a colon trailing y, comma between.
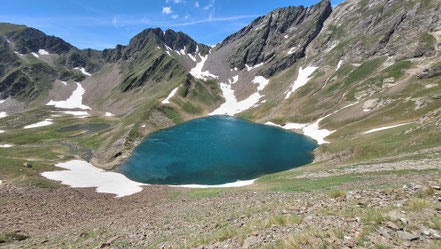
x: 27, y: 165
x: 407, y: 236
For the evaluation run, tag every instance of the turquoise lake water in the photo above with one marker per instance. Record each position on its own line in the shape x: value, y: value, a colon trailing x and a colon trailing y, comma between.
x: 216, y: 150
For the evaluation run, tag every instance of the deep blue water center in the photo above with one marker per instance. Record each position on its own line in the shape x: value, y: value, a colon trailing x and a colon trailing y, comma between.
x: 216, y: 150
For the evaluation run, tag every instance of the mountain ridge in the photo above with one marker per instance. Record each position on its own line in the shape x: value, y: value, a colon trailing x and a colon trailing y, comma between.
x: 256, y: 64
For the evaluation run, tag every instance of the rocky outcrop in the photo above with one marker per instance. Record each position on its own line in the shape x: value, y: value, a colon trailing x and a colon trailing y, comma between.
x: 279, y: 38
x: 358, y: 30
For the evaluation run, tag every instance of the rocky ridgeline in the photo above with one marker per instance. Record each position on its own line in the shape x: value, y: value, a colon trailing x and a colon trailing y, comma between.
x: 279, y: 38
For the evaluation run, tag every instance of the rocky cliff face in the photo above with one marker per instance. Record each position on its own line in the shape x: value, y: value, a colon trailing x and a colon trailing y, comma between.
x: 360, y: 30
x: 279, y: 38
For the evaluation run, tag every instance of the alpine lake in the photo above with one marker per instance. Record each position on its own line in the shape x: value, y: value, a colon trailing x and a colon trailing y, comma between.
x: 216, y: 150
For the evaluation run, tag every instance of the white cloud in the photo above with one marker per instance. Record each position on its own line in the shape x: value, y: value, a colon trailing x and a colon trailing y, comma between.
x: 196, y: 4
x: 175, y: 16
x: 115, y: 21
x: 186, y: 17
x: 167, y: 10
x: 209, y: 5
x: 212, y: 19
x: 177, y: 1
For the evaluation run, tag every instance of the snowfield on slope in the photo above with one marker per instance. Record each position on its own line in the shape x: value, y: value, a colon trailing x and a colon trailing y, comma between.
x: 311, y: 130
x: 172, y: 93
x: 81, y: 174
x: 236, y: 184
x: 46, y: 122
x: 197, y: 70
x: 75, y: 101
x: 231, y: 106
x: 83, y: 70
x: 385, y: 128
x: 302, y: 79
x: 43, y: 52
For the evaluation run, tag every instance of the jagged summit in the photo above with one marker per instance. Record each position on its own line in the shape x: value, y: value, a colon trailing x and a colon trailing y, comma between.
x: 280, y: 37
x: 169, y: 40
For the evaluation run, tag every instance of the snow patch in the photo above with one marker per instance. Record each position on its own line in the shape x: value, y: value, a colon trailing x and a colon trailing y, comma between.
x: 2, y: 101
x: 64, y: 83
x: 311, y: 130
x: 226, y: 185
x: 339, y: 65
x: 261, y: 81
x: 292, y: 50
x: 108, y: 114
x: 286, y: 36
x: 81, y: 174
x: 231, y: 105
x: 302, y: 79
x: 35, y: 54
x: 18, y: 53
x: 78, y: 114
x: 253, y: 67
x: 73, y: 102
x: 183, y: 51
x: 6, y: 145
x: 386, y: 128
x: 2, y: 131
x: 172, y: 93
x: 234, y: 80
x: 46, y: 122
x: 3, y: 114
x: 197, y: 70
x: 43, y: 52
x: 83, y: 70
x: 193, y: 58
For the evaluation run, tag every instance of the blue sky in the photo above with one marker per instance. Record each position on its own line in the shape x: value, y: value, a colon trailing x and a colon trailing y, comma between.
x: 103, y: 24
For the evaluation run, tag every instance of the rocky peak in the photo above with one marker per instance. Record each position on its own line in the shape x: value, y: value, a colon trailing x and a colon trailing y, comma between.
x: 27, y: 40
x: 280, y: 37
x: 166, y: 39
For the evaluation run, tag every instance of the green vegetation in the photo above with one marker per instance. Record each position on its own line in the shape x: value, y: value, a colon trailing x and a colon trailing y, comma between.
x: 9, y: 237
x: 364, y: 70
x: 337, y: 194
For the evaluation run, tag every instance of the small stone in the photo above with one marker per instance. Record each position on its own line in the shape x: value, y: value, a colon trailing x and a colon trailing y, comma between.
x: 405, y: 221
x: 436, y: 96
x: 393, y: 226
x: 361, y: 204
x: 390, y: 80
x: 428, y: 86
x: 407, y: 236
x: 436, y: 187
x: 109, y: 242
x: 27, y: 165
